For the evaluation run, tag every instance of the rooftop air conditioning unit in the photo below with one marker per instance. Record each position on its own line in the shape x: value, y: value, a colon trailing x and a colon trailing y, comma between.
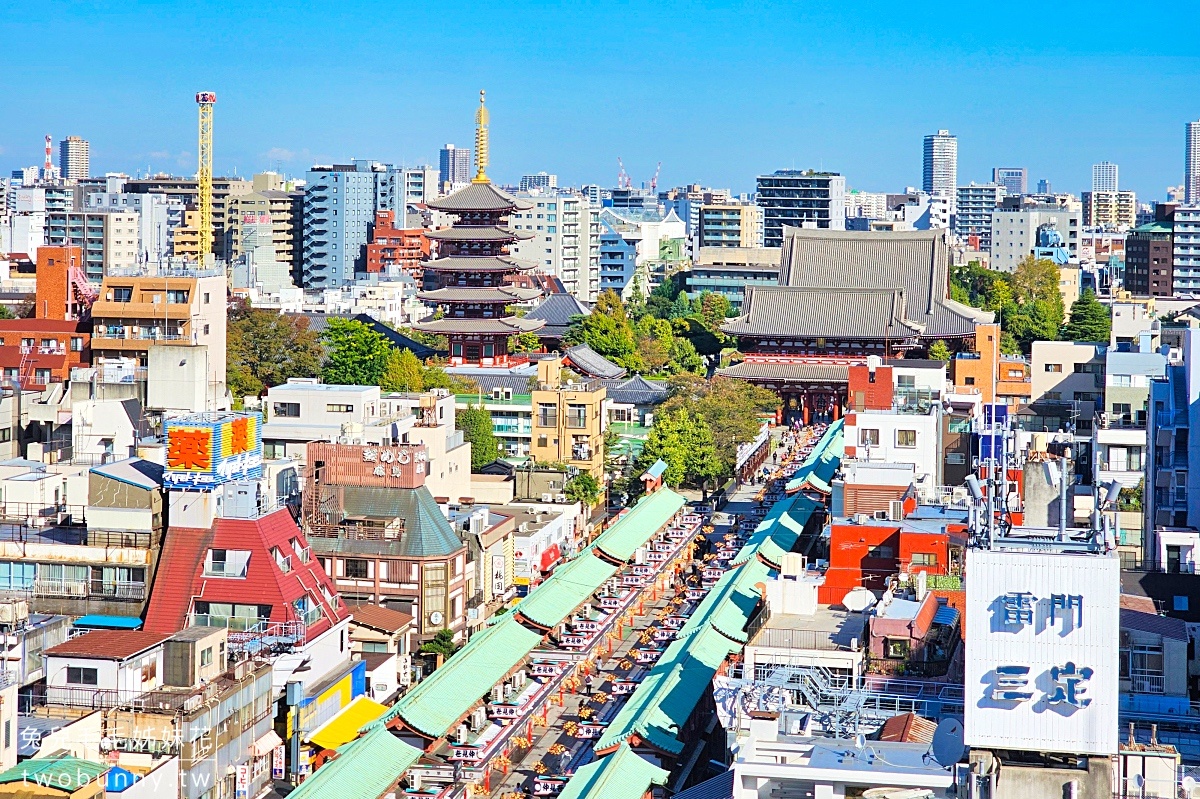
x: 497, y: 693
x: 896, y: 509
x: 861, y: 518
x: 479, y: 719
x: 547, y: 497
x: 560, y: 498
x: 497, y: 393
x: 519, y: 679
x: 463, y: 733
x: 881, y: 515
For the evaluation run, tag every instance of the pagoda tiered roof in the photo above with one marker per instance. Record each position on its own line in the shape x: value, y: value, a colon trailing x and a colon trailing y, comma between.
x: 479, y: 197
x: 497, y: 326
x: 479, y: 233
x: 476, y: 294
x: 479, y: 263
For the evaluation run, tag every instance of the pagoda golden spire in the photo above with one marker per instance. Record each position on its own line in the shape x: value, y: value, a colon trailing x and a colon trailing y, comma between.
x: 481, y: 142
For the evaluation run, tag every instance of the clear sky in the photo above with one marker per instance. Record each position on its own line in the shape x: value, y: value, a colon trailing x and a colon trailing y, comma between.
x: 718, y: 92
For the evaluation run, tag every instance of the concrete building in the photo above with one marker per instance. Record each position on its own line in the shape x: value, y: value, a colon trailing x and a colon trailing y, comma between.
x: 1149, y: 260
x: 565, y: 239
x: 1185, y: 241
x: 729, y: 226
x: 158, y: 215
x: 975, y: 205
x: 454, y: 166
x: 283, y: 211
x: 185, y: 189
x: 1191, y: 164
x: 1172, y: 498
x: 630, y: 241
x: 730, y: 270
x: 1104, y: 177
x: 399, y: 188
x: 1014, y: 179
x: 339, y: 208
x: 939, y: 173
x: 800, y: 198
x: 1119, y: 435
x: 1110, y: 209
x: 568, y: 420
x: 109, y: 239
x: 74, y: 161
x: 866, y: 204
x: 1015, y: 231
x: 542, y: 181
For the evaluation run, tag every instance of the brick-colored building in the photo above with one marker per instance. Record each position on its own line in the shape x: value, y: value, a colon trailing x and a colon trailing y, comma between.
x: 43, y: 349
x: 866, y: 552
x: 391, y: 246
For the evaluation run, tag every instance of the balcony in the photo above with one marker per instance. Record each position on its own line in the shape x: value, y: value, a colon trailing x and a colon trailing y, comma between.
x: 577, y: 421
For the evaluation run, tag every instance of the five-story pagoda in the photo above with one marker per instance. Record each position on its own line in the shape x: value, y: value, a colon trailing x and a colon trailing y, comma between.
x: 473, y: 265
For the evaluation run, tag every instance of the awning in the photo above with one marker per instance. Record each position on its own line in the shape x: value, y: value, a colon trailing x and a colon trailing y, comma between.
x: 98, y: 621
x: 265, y: 744
x: 344, y: 726
x: 946, y: 616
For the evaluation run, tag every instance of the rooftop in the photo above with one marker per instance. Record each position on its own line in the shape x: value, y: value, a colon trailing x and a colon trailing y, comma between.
x: 825, y: 629
x: 108, y: 644
x: 380, y: 618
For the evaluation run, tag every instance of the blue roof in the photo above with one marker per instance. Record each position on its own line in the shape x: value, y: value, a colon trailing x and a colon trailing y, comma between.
x: 118, y: 779
x: 946, y: 616
x: 657, y: 470
x: 102, y: 622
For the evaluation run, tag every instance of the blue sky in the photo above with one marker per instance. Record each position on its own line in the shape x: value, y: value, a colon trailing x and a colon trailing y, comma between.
x: 718, y: 92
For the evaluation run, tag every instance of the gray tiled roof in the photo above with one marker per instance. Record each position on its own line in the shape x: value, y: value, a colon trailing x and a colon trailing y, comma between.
x: 556, y: 311
x: 637, y: 390
x: 916, y: 261
x: 509, y: 325
x: 426, y: 533
x: 591, y: 363
x: 826, y: 312
x: 1154, y: 624
x: 479, y: 263
x: 813, y: 372
x: 472, y: 294
x: 479, y: 197
x: 479, y: 233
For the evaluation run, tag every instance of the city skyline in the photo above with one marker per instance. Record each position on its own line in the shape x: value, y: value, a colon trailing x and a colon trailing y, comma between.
x: 581, y: 105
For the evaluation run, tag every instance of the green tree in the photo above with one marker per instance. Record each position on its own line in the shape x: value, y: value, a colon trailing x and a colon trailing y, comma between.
x: 939, y: 351
x: 355, y: 356
x: 476, y: 424
x: 684, y: 357
x: 402, y: 372
x: 6, y: 312
x: 434, y: 376
x: 714, y: 310
x: 610, y: 335
x: 730, y: 408
x: 442, y: 644
x: 1090, y: 321
x: 681, y: 307
x: 264, y: 349
x: 583, y: 488
x: 524, y: 342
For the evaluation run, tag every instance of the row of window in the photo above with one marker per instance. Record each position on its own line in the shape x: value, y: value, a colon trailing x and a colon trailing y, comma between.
x: 49, y: 343
x: 869, y: 437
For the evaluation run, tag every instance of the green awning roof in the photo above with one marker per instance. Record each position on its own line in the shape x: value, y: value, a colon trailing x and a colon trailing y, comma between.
x: 635, y: 528
x: 822, y: 463
x: 622, y: 775
x: 570, y: 585
x: 67, y: 774
x: 434, y: 705
x: 365, y: 768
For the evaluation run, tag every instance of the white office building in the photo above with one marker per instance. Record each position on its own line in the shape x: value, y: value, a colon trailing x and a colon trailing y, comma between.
x: 1191, y: 168
x: 1014, y: 232
x: 1104, y: 176
x: 940, y: 168
x: 975, y: 205
x: 542, y: 180
x: 158, y: 214
x: 566, y: 240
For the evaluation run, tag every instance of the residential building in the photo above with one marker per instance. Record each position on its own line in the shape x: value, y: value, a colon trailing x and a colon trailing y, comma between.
x: 1014, y: 179
x: 1104, y: 177
x: 866, y: 204
x: 796, y: 198
x: 185, y: 189
x: 1110, y: 209
x: 974, y: 207
x: 632, y: 242
x: 395, y: 251
x: 158, y: 215
x: 1015, y: 228
x: 401, y: 188
x: 74, y: 162
x: 454, y: 169
x: 729, y: 226
x: 1191, y: 164
x: 1070, y: 372
x: 541, y: 181
x: 282, y: 210
x: 109, y: 239
x: 729, y: 271
x: 864, y: 552
x: 568, y: 420
x: 173, y: 323
x: 1185, y: 240
x: 1119, y: 435
x: 1149, y: 260
x: 984, y: 370
x: 563, y: 232
x: 1172, y: 498
x: 43, y: 349
x: 339, y: 208
x: 939, y: 175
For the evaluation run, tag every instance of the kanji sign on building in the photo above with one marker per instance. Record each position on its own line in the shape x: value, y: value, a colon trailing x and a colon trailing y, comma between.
x: 206, y: 450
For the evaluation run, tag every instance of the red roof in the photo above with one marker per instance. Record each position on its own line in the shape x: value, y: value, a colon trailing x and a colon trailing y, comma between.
x: 909, y: 728
x: 46, y: 325
x: 380, y: 618
x: 265, y: 583
x: 108, y: 644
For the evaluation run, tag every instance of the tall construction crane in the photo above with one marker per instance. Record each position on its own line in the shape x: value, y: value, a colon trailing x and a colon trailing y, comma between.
x: 205, y: 100
x: 654, y: 180
x: 623, y: 181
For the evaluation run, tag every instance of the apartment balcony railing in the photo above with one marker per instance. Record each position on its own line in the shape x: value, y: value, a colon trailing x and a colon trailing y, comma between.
x: 1147, y: 683
x: 577, y: 421
x: 1120, y: 422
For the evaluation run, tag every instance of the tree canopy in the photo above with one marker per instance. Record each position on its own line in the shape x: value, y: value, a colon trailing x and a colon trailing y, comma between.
x: 402, y: 372
x: 355, y: 354
x: 1090, y: 320
x: 730, y: 409
x: 583, y: 488
x: 939, y: 351
x: 1028, y: 302
x: 476, y: 423
x: 265, y: 348
x: 683, y: 440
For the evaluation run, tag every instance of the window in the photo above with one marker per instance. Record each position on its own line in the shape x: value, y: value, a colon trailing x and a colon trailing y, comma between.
x: 206, y: 656
x: 206, y: 298
x: 374, y: 646
x: 177, y: 296
x: 906, y: 438
x: 76, y: 344
x: 897, y: 649
x: 1087, y: 368
x: 970, y: 381
x: 7, y: 733
x: 881, y: 552
x: 290, y: 410
x: 78, y: 675
x: 906, y: 381
x: 868, y: 437
x: 339, y: 408
x: 1054, y: 367
x: 41, y: 376
x: 547, y: 415
x: 122, y: 294
x: 356, y: 569
x: 273, y: 449
x: 924, y: 559
x: 1053, y: 395
x: 227, y: 563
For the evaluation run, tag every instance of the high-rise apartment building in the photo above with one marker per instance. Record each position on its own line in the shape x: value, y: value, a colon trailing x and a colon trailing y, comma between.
x: 454, y: 165
x: 940, y: 173
x: 1043, y: 187
x: 542, y: 180
x: 400, y: 187
x: 283, y: 212
x: 1149, y: 259
x: 109, y: 239
x: 1104, y: 177
x: 976, y: 203
x: 797, y: 198
x: 157, y: 215
x: 1110, y: 209
x: 185, y: 189
x: 729, y: 226
x: 339, y: 208
x: 1191, y: 168
x: 73, y: 158
x: 1014, y: 179
x: 1015, y: 228
x: 1185, y: 240
x: 566, y: 239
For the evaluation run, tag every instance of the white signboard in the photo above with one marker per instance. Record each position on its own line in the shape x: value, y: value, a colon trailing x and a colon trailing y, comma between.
x: 1042, y: 639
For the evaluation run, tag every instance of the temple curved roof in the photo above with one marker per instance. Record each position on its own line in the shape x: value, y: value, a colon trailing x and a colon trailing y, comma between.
x: 472, y: 294
x: 503, y: 326
x: 479, y: 263
x: 478, y: 233
x: 479, y: 197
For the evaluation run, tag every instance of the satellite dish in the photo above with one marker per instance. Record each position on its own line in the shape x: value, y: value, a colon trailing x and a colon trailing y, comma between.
x: 858, y: 599
x: 1139, y: 780
x: 948, y: 747
x: 1189, y: 784
x: 860, y: 741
